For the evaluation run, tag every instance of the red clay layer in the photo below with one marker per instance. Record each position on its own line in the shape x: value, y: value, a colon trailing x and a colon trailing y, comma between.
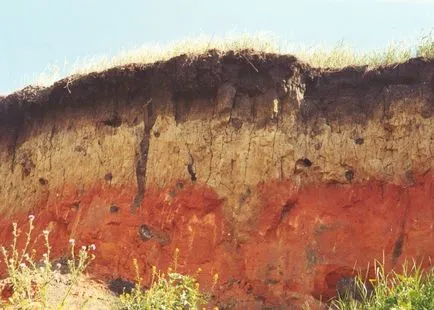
x: 300, y: 242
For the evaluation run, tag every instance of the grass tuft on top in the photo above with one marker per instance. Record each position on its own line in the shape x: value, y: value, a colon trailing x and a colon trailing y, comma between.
x: 342, y: 55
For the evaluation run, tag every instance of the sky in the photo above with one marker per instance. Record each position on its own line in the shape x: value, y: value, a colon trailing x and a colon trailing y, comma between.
x: 37, y: 33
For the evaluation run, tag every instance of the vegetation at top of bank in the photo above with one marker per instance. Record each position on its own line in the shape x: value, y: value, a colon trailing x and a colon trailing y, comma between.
x: 335, y: 57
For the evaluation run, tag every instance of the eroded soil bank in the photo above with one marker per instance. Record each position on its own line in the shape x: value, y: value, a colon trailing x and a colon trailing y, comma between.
x: 277, y: 176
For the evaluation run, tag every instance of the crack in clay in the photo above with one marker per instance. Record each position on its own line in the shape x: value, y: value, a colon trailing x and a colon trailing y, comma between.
x: 190, y: 167
x: 400, y: 241
x: 212, y: 137
x: 251, y: 136
x: 226, y: 128
x: 211, y: 158
x: 210, y: 148
x: 148, y: 122
x: 273, y: 145
x: 248, y: 154
x: 50, y: 141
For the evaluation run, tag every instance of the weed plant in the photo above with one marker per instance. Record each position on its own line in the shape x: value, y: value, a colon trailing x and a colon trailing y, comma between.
x: 413, y: 289
x: 30, y: 278
x: 171, y: 290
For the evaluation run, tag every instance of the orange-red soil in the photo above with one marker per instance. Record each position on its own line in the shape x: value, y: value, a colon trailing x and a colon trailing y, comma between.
x: 301, y: 242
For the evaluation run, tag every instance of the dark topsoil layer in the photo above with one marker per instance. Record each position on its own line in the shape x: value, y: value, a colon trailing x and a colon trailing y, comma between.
x: 333, y: 94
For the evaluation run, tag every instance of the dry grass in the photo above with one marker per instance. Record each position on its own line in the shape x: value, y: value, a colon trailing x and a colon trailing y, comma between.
x: 341, y: 55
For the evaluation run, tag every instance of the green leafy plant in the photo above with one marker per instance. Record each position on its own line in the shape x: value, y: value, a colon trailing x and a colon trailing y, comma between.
x: 167, y: 291
x: 30, y: 278
x: 412, y: 289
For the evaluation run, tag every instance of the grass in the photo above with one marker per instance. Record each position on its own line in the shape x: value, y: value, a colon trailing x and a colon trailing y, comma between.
x: 413, y: 289
x: 167, y: 291
x: 341, y: 55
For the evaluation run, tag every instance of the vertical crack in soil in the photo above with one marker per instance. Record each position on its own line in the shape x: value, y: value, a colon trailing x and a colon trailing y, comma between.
x: 190, y: 167
x: 210, y: 148
x: 251, y: 136
x: 400, y: 241
x: 148, y: 120
x: 397, y: 249
x: 50, y: 140
x: 272, y: 149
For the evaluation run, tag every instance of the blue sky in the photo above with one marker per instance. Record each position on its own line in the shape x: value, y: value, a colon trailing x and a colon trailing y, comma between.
x: 37, y: 33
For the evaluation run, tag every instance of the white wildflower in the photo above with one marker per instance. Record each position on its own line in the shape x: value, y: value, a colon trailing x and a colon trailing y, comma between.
x: 72, y: 241
x: 92, y: 247
x: 31, y: 217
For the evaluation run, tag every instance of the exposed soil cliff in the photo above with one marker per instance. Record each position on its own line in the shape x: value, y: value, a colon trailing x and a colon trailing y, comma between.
x: 280, y: 177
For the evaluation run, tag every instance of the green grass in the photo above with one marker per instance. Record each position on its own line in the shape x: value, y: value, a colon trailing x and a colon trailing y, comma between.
x: 167, y: 291
x: 412, y: 289
x: 339, y: 56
